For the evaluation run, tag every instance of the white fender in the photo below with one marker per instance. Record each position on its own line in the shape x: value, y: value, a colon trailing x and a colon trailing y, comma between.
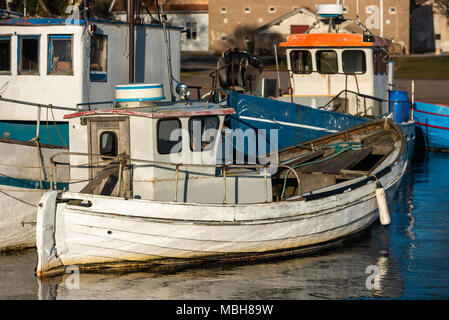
x: 384, y: 215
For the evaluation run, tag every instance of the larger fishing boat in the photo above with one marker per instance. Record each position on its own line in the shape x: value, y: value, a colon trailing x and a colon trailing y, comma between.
x: 153, y: 190
x: 50, y: 67
x: 336, y: 80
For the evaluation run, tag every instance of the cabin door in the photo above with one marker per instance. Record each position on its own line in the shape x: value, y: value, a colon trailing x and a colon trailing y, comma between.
x: 109, y: 137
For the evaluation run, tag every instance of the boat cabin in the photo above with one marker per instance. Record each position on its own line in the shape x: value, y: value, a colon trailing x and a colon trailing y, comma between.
x: 170, y: 153
x: 71, y: 63
x: 322, y: 66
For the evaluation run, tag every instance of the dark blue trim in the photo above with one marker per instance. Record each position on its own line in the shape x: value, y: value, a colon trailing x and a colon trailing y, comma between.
x: 139, y: 99
x: 96, y: 76
x: 7, y: 72
x: 60, y: 21
x: 19, y: 53
x: 50, y: 52
x: 138, y: 87
x: 31, y: 184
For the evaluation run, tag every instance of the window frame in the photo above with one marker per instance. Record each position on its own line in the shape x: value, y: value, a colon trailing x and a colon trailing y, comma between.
x: 115, y: 146
x: 52, y: 37
x: 7, y: 72
x: 364, y: 61
x: 318, y: 61
x: 310, y: 57
x: 157, y: 135
x: 210, y: 147
x: 99, y: 76
x: 190, y: 31
x: 19, y: 54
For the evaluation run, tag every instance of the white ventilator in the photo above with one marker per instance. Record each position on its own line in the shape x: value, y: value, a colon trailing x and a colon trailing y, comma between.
x: 138, y: 95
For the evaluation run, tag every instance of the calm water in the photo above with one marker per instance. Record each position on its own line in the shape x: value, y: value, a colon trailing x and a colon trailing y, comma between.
x: 412, y: 257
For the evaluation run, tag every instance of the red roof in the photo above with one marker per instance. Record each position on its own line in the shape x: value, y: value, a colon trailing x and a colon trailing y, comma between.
x: 332, y: 40
x: 155, y: 114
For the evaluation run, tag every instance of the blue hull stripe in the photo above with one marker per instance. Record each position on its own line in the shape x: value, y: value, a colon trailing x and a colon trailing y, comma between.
x: 138, y: 87
x: 30, y: 184
x: 142, y: 99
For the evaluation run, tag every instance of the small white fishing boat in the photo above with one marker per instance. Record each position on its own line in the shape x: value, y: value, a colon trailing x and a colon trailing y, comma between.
x: 154, y: 196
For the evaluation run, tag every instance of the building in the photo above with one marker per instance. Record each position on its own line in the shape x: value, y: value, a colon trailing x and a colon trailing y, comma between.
x: 430, y: 27
x: 192, y: 15
x: 232, y: 23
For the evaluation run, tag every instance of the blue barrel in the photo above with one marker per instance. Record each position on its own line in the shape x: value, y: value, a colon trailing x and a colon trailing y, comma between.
x: 399, y: 105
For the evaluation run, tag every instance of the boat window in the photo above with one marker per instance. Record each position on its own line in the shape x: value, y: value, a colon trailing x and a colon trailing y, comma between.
x: 60, y: 54
x: 301, y: 61
x: 191, y: 30
x: 5, y: 55
x: 326, y: 61
x: 98, y: 58
x: 203, y: 131
x: 108, y: 144
x: 169, y: 136
x: 354, y: 61
x: 28, y: 60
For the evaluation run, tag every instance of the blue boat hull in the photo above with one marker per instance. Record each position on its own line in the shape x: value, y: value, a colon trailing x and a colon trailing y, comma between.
x: 432, y: 122
x: 297, y: 123
x: 49, y: 133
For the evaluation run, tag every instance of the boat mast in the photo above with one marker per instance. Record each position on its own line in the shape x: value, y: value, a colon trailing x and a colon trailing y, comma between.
x: 131, y: 39
x: 86, y: 9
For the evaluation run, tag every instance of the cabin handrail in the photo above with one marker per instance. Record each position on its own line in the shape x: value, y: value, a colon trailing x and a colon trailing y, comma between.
x: 39, y: 105
x: 122, y: 158
x: 93, y: 104
x: 345, y: 91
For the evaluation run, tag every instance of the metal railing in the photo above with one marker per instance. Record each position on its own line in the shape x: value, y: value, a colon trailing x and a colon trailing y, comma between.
x: 123, y: 159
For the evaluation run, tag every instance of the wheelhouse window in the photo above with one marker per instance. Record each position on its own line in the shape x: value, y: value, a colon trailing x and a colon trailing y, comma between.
x: 60, y: 54
x: 169, y: 136
x: 98, y: 58
x: 28, y: 49
x: 108, y: 144
x: 5, y: 55
x: 354, y: 61
x: 191, y: 31
x: 326, y: 61
x: 301, y: 61
x: 203, y: 131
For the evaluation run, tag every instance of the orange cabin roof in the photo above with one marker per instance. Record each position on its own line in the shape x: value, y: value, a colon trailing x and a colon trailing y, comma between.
x: 332, y: 40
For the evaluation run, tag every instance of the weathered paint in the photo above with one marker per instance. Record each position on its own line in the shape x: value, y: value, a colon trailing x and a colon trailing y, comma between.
x: 111, y: 231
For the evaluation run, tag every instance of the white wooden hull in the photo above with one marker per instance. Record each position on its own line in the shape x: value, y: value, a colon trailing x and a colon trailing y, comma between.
x: 20, y: 192
x: 114, y: 231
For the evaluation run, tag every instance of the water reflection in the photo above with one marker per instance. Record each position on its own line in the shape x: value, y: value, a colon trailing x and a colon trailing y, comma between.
x: 335, y: 274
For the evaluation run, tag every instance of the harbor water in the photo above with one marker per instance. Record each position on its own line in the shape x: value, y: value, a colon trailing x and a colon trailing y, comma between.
x: 409, y: 260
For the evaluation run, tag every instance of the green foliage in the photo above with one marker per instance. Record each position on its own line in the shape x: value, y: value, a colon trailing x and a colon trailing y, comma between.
x: 57, y: 8
x: 431, y: 67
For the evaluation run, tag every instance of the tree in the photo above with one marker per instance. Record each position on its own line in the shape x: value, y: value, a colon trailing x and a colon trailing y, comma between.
x: 442, y: 7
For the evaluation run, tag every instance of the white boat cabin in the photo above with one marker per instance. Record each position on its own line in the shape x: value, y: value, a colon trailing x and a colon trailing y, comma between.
x: 172, y: 154
x: 322, y: 66
x: 67, y: 62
